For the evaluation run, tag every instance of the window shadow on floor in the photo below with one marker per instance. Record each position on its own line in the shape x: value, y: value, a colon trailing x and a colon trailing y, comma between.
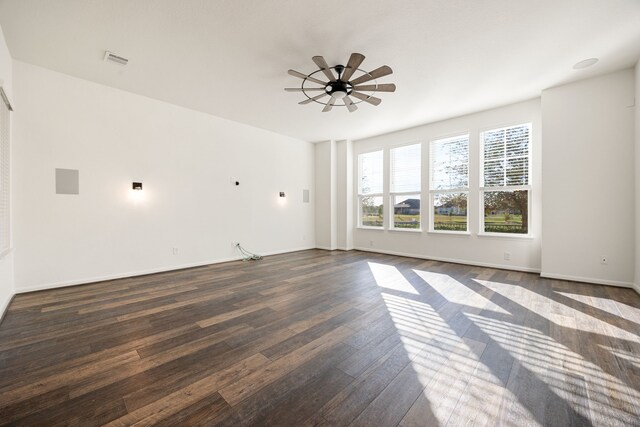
x: 489, y: 345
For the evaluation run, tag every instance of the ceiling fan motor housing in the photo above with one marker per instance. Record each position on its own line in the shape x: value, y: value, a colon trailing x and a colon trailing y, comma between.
x: 339, y: 88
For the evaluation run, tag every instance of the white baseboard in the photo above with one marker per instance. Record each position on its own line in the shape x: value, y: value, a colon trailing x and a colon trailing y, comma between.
x: 337, y: 248
x: 84, y: 281
x: 589, y: 280
x: 452, y: 260
x: 4, y: 305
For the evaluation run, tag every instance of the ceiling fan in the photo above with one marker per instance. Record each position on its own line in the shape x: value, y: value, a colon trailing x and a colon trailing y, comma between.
x: 341, y: 85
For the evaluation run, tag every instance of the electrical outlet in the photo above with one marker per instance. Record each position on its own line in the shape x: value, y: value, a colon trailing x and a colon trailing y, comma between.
x: 604, y: 260
x: 507, y: 256
x: 234, y: 243
x: 174, y: 251
x: 371, y: 243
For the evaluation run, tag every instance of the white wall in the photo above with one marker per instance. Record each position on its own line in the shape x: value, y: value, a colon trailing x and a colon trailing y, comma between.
x: 470, y: 249
x: 344, y: 205
x: 185, y: 160
x: 326, y: 195
x: 6, y: 262
x: 637, y: 175
x: 588, y: 180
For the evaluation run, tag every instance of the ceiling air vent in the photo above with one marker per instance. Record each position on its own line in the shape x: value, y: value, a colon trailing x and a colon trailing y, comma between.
x: 112, y: 57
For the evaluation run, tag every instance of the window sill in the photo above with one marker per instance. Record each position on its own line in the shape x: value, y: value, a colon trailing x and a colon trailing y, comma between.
x: 451, y: 233
x: 507, y: 236
x: 407, y: 230
x: 364, y: 227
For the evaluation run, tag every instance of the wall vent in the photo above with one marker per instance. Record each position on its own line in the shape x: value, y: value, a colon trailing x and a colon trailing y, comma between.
x: 112, y: 57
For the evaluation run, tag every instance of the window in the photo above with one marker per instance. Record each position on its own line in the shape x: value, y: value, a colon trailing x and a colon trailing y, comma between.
x: 4, y: 173
x: 370, y: 189
x: 405, y: 186
x: 449, y: 184
x: 505, y: 185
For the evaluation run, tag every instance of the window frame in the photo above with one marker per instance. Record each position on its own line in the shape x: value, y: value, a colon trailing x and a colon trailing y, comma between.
x: 362, y: 195
x: 484, y: 189
x: 433, y: 192
x: 392, y: 194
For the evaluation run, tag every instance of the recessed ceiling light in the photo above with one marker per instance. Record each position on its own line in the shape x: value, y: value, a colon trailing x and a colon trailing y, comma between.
x: 585, y: 63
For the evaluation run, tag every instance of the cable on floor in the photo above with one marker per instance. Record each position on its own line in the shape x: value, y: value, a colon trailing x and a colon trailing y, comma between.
x: 246, y: 255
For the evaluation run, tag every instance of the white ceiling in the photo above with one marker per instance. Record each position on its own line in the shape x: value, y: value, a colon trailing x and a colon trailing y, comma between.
x: 230, y: 57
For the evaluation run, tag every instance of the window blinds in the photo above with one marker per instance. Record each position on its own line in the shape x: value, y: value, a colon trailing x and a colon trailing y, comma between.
x: 405, y: 169
x: 371, y: 179
x: 4, y: 176
x: 506, y: 156
x: 450, y: 163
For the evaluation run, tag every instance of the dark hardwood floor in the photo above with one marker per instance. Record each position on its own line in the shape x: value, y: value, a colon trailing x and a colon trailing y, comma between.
x: 323, y: 338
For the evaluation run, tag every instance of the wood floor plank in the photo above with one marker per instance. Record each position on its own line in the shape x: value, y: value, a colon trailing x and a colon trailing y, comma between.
x: 252, y: 383
x: 351, y: 401
x: 53, y: 382
x: 319, y: 338
x: 181, y: 399
x: 275, y: 400
x: 304, y: 337
x: 440, y: 377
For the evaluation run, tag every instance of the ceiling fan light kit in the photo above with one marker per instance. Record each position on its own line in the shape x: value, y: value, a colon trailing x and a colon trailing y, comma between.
x: 340, y: 84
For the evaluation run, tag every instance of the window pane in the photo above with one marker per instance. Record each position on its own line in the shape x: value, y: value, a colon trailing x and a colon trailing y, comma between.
x: 406, y: 211
x: 494, y: 144
x: 506, y: 156
x: 506, y: 211
x: 494, y: 173
x: 371, y: 172
x: 518, y: 171
x: 405, y: 169
x: 517, y: 140
x: 450, y: 163
x: 371, y: 211
x: 450, y: 211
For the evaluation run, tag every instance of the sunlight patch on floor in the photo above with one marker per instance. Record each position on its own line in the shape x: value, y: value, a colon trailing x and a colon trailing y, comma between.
x: 568, y: 373
x: 444, y: 363
x: 526, y: 331
x: 388, y: 276
x: 458, y: 293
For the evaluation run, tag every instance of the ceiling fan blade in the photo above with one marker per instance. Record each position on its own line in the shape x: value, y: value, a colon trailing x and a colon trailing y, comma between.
x: 386, y: 87
x: 322, y: 64
x: 329, y: 106
x: 350, y: 105
x: 306, y: 89
x: 385, y: 70
x: 354, y: 62
x: 367, y: 98
x: 315, y: 98
x: 304, y: 76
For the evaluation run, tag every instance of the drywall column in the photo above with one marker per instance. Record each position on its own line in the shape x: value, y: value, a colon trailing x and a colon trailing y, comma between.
x: 588, y: 180
x: 344, y: 178
x: 637, y: 171
x: 326, y: 195
x: 6, y: 260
